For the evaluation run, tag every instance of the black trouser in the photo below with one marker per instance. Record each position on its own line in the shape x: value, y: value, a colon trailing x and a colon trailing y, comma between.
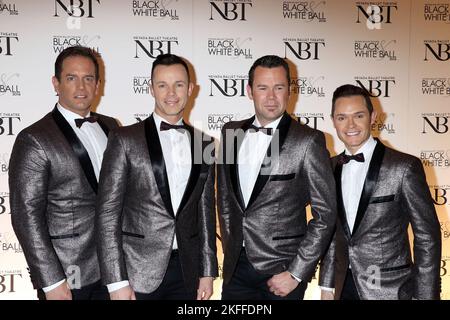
x: 349, y: 291
x: 94, y: 291
x: 247, y: 284
x: 172, y: 287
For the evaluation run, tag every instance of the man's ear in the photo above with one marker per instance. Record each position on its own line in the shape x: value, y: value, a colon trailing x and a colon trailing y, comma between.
x: 151, y: 89
x: 55, y: 83
x: 332, y: 120
x: 190, y: 88
x: 249, y: 92
x: 97, y: 87
x: 373, y: 117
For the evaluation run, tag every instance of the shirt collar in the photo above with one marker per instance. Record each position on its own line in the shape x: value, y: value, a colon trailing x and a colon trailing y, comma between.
x: 158, y: 119
x: 69, y: 115
x: 273, y: 124
x: 367, y: 148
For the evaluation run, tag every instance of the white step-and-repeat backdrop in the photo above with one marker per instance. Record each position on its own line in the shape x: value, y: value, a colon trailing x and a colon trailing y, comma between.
x: 399, y: 50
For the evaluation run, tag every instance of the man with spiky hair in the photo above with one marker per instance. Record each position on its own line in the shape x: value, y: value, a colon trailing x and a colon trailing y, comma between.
x: 156, y: 210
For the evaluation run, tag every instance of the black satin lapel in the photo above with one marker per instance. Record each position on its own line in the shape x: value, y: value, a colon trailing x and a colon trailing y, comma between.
x: 196, y: 148
x: 101, y: 124
x: 340, y: 203
x: 280, y: 134
x: 233, y: 167
x: 158, y: 164
x: 369, y: 183
x: 77, y: 148
x: 283, y: 127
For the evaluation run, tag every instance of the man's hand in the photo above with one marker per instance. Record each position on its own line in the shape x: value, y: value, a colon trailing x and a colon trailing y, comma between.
x: 282, y: 284
x: 125, y: 293
x: 61, y: 292
x: 326, y: 295
x: 205, y: 288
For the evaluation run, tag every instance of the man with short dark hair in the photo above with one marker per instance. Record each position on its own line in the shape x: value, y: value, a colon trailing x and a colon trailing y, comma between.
x: 156, y: 210
x: 270, y: 169
x: 380, y: 192
x: 54, y: 169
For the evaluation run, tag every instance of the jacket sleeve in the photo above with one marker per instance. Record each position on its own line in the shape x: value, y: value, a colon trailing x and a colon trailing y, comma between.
x: 207, y: 227
x: 108, y: 215
x: 223, y: 190
x: 426, y: 230
x: 29, y: 171
x: 319, y: 181
x: 327, y: 266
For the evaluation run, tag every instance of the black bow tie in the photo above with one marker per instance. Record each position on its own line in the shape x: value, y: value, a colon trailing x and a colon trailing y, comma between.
x: 167, y: 126
x: 268, y: 131
x: 79, y: 122
x: 343, y: 159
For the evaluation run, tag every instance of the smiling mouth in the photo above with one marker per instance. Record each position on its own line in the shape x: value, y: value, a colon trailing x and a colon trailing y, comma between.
x: 352, y: 134
x: 81, y: 97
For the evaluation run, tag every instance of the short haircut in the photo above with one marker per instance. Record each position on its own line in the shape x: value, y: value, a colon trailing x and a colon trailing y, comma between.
x: 269, y: 61
x: 169, y: 59
x: 349, y: 90
x: 76, y: 51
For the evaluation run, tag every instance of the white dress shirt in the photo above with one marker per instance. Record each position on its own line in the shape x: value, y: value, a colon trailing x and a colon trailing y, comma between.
x: 251, y: 155
x: 94, y: 141
x: 91, y: 136
x: 352, y: 180
x: 176, y: 149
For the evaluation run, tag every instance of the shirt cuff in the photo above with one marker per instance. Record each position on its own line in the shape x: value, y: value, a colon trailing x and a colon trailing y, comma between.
x: 53, y: 286
x: 298, y: 279
x: 117, y: 285
x: 326, y: 289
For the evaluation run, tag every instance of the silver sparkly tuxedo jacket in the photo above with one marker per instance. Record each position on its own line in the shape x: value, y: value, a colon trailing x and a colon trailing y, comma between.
x: 395, y: 195
x: 53, y: 193
x: 135, y: 221
x: 274, y: 223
